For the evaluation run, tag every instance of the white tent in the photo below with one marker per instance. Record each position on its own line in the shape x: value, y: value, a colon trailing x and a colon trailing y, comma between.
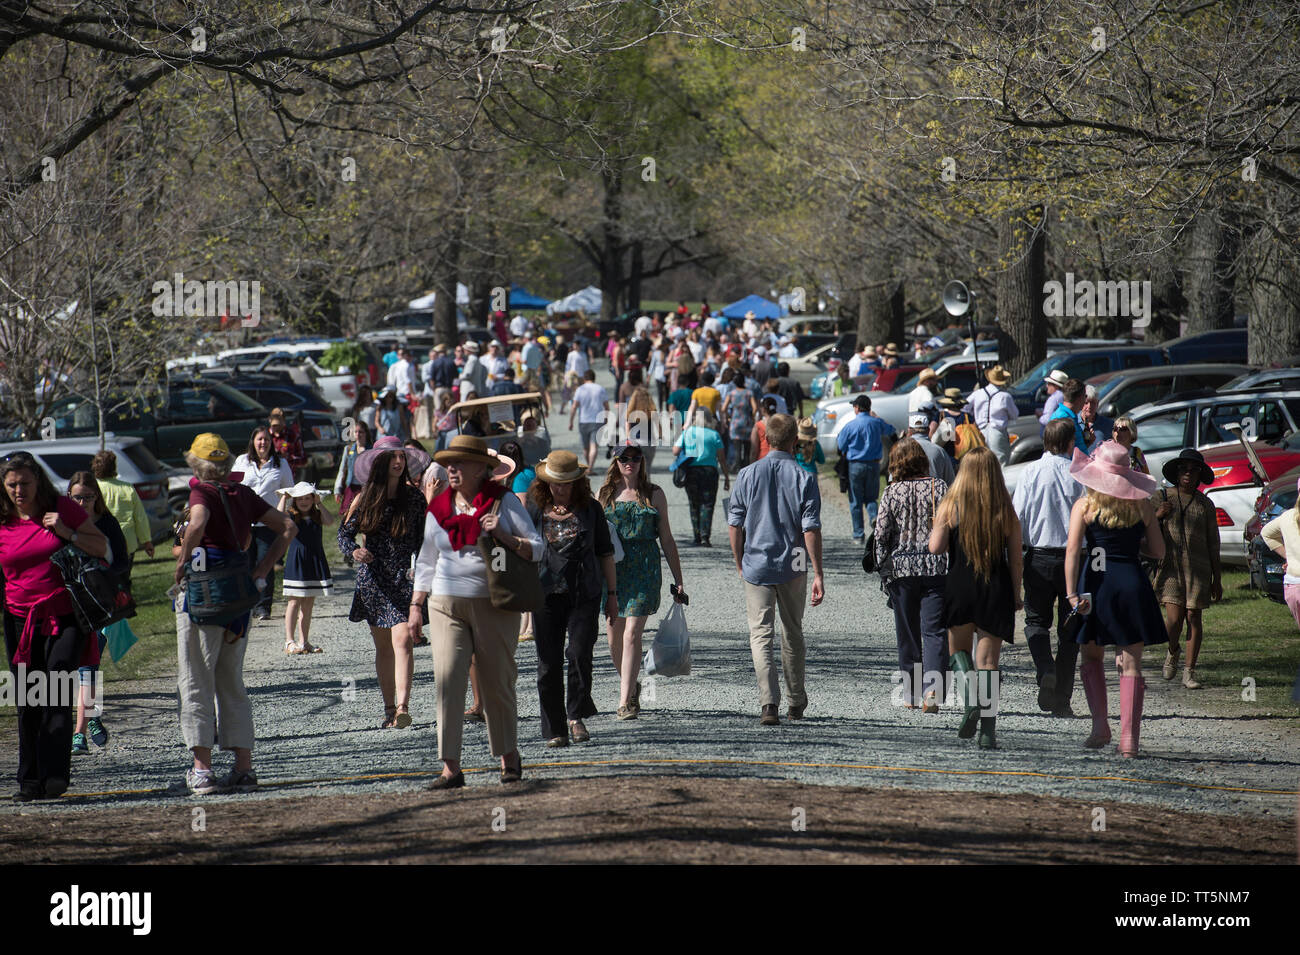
x: 588, y: 301
x: 426, y: 301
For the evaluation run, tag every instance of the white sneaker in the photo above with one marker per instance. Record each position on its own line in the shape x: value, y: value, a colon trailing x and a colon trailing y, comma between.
x: 202, y: 782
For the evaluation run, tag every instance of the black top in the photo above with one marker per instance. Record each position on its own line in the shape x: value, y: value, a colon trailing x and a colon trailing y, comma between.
x: 570, y: 564
x: 110, y: 528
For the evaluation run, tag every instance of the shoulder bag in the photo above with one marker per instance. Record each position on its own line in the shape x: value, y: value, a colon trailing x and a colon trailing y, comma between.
x: 99, y: 598
x: 223, y: 591
x: 513, y: 583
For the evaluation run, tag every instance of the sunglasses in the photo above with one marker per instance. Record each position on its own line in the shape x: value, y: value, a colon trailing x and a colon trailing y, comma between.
x: 629, y: 457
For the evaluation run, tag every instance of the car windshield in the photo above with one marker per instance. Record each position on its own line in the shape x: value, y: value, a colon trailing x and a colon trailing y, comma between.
x: 906, y: 386
x: 1040, y: 371
x: 237, y: 398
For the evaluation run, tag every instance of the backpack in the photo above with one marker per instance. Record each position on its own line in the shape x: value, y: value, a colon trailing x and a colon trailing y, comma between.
x: 99, y: 598
x: 968, y: 438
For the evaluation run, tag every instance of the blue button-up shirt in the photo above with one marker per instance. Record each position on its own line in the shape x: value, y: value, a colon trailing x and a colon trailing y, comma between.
x: 775, y: 501
x: 1065, y: 411
x: 861, y: 438
x: 1044, y: 495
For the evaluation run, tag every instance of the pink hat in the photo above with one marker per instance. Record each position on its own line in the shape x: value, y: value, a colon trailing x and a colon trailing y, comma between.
x: 416, y: 461
x: 1109, y: 472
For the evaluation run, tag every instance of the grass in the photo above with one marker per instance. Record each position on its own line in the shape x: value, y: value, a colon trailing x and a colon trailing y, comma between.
x: 1247, y: 635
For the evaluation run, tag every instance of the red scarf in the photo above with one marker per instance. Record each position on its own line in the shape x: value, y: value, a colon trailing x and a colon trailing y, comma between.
x: 463, y: 529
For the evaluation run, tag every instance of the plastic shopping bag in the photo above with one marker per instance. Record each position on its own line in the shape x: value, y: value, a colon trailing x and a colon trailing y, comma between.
x: 120, y: 638
x: 670, y: 654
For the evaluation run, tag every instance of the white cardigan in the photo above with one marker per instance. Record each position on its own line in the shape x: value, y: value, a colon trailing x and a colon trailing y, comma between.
x: 441, y: 570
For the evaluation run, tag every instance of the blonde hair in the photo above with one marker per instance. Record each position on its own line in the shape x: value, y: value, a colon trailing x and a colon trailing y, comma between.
x: 1124, y: 421
x: 1110, y: 511
x: 979, y: 498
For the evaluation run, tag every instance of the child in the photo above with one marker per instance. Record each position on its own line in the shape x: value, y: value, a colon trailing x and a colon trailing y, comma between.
x: 306, y: 572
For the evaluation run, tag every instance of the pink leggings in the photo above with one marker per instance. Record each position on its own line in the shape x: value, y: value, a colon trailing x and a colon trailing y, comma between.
x: 1291, y: 592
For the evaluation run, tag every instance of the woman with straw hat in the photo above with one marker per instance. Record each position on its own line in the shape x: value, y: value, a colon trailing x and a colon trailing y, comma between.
x: 808, y: 453
x: 994, y: 409
x: 1110, y: 528
x: 463, y: 623
x: 389, y: 514
x: 579, y: 558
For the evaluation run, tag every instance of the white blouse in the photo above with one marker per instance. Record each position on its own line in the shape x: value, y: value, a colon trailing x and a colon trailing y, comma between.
x: 267, y: 480
x: 443, y: 571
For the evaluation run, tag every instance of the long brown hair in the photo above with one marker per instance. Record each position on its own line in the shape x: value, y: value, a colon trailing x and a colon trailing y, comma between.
x: 252, y: 451
x: 614, y: 481
x: 373, y: 496
x: 978, y: 499
x: 87, y: 479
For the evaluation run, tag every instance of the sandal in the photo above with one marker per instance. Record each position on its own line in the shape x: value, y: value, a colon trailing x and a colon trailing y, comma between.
x: 310, y: 648
x: 403, y: 718
x: 291, y: 648
x: 475, y: 714
x: 390, y: 718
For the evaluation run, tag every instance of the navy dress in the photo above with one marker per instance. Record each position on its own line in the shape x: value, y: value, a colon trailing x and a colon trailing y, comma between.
x: 1124, y: 607
x: 306, y: 572
x: 989, y: 604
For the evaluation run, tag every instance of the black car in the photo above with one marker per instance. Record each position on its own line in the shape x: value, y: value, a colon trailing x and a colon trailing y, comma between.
x: 276, y: 392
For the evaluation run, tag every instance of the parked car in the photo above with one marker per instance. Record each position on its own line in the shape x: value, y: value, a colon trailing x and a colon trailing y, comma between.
x: 1266, y: 379
x: 1239, y: 474
x: 168, y: 419
x: 1030, y: 393
x: 803, y: 324
x: 1265, y: 566
x: 340, y: 390
x: 1224, y: 344
x: 273, y: 392
x: 64, y: 457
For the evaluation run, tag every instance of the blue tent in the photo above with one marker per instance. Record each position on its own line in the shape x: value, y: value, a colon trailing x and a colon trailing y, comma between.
x: 520, y: 297
x: 760, y: 306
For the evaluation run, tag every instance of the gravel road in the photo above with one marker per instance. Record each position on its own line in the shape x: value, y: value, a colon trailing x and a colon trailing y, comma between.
x: 316, y: 736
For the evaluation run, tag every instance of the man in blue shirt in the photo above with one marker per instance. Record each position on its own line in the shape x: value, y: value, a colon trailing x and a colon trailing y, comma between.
x: 1073, y: 395
x: 775, y: 526
x: 861, y: 442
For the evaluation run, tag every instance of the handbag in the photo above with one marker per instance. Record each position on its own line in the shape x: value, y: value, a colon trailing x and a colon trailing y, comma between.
x: 223, y: 591
x: 99, y: 598
x: 614, y: 539
x: 678, y: 469
x: 513, y: 583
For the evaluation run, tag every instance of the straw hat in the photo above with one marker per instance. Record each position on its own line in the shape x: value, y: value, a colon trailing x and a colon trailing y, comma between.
x: 870, y: 352
x: 997, y: 375
x: 560, y: 467
x: 301, y: 489
x: 927, y: 374
x: 471, y: 346
x: 1109, y: 471
x: 467, y: 447
x: 807, y: 430
x: 416, y: 461
x: 1058, y: 378
x: 892, y: 350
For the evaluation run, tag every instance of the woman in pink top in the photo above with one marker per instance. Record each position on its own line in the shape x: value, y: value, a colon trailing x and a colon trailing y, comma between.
x: 41, y: 633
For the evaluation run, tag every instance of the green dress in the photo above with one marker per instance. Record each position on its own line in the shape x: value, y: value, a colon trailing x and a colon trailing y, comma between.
x: 639, y: 575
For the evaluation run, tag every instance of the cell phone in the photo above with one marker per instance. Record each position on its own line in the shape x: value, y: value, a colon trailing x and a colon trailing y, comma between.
x: 678, y: 592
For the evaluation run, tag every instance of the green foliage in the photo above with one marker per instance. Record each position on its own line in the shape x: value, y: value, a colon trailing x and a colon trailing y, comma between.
x: 343, y: 354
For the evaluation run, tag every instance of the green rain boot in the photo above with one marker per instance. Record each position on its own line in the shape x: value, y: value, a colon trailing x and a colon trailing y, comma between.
x: 990, y: 686
x: 967, y: 692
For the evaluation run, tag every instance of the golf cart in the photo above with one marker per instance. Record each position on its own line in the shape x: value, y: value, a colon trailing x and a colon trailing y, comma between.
x: 497, y: 419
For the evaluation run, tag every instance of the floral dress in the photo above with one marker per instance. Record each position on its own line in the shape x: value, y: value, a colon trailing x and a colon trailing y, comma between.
x: 639, y: 576
x: 384, y: 586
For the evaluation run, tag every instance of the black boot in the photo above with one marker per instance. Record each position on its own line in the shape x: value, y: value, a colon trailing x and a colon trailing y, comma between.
x: 967, y: 692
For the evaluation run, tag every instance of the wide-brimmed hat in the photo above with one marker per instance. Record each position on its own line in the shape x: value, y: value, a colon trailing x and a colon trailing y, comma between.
x: 467, y: 447
x: 926, y: 374
x: 750, y: 314
x: 891, y: 349
x: 807, y: 430
x: 870, y: 352
x: 416, y: 461
x: 1109, y: 471
x: 303, y: 488
x: 560, y: 467
x: 440, y: 348
x: 1058, y: 378
x: 997, y: 375
x: 505, y: 466
x: 1170, y: 470
x: 947, y: 401
x: 471, y: 346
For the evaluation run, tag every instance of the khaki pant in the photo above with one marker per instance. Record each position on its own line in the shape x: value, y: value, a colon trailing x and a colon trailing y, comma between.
x: 210, y: 679
x: 762, y: 603
x: 465, y: 627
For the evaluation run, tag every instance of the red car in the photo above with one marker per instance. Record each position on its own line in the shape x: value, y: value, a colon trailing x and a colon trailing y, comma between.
x: 1239, y: 473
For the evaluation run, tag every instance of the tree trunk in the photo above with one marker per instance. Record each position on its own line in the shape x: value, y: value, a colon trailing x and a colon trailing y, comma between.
x: 1211, y: 271
x: 898, y: 317
x: 1168, y: 305
x: 1022, y: 331
x: 876, y: 310
x: 1274, y: 329
x: 611, y: 252
x: 634, y: 277
x: 446, y: 274
x: 480, y: 296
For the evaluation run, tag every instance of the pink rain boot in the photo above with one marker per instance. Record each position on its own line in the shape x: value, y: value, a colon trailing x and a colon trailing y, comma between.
x: 1093, y: 677
x: 1131, y: 691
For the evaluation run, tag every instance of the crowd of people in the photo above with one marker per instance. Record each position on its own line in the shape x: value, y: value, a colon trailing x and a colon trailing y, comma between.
x: 444, y: 542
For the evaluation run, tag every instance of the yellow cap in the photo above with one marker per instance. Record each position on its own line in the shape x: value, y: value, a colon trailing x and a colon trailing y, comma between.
x: 210, y: 447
